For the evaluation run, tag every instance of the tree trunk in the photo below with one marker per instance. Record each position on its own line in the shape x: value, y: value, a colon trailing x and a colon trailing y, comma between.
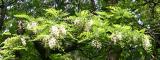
x: 93, y: 5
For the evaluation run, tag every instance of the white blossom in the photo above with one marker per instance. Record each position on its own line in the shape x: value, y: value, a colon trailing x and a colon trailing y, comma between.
x: 52, y: 42
x: 140, y: 22
x: 148, y: 26
x: 88, y: 25
x: 9, y: 7
x: 32, y: 25
x: 55, y: 31
x: 6, y: 30
x: 96, y: 44
x: 146, y: 43
x: 116, y: 37
x: 58, y: 31
x: 77, y: 22
x: 133, y: 0
x: 23, y: 41
x: 62, y: 30
x: 45, y: 1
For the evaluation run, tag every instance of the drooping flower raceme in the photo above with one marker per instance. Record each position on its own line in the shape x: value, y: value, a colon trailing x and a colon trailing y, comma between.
x: 23, y: 41
x: 88, y: 25
x: 77, y: 22
x: 52, y: 43
x: 55, y: 31
x: 62, y: 30
x: 147, y: 43
x: 32, y: 26
x: 58, y: 31
x: 116, y: 37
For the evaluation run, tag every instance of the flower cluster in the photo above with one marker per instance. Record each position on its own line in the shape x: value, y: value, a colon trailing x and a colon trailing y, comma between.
x: 88, y: 25
x: 32, y: 26
x: 146, y: 43
x: 96, y: 44
x: 23, y: 41
x: 77, y: 22
x: 116, y: 37
x: 57, y: 31
x: 52, y: 42
x: 62, y: 30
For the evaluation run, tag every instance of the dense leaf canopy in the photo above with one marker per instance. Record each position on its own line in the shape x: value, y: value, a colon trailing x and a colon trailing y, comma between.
x: 79, y: 29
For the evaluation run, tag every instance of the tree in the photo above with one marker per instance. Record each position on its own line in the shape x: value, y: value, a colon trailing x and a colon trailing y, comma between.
x: 77, y: 29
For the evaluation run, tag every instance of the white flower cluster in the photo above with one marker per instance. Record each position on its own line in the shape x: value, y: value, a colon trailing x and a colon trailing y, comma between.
x: 23, y: 41
x: 55, y: 31
x: 147, y: 43
x: 62, y: 30
x: 58, y: 31
x: 32, y: 26
x: 52, y: 43
x: 77, y: 22
x: 88, y: 25
x: 96, y: 44
x: 116, y: 37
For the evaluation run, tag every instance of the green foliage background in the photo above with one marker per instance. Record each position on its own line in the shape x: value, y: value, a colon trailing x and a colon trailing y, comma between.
x: 38, y: 30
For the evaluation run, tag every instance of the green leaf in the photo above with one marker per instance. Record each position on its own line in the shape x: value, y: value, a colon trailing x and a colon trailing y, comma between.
x: 23, y: 16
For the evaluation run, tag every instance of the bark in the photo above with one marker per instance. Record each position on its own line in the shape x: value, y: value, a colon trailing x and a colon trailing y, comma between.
x: 93, y: 5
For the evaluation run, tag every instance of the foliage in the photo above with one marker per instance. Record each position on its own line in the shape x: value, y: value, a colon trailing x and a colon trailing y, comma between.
x: 79, y: 30
x: 97, y: 35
